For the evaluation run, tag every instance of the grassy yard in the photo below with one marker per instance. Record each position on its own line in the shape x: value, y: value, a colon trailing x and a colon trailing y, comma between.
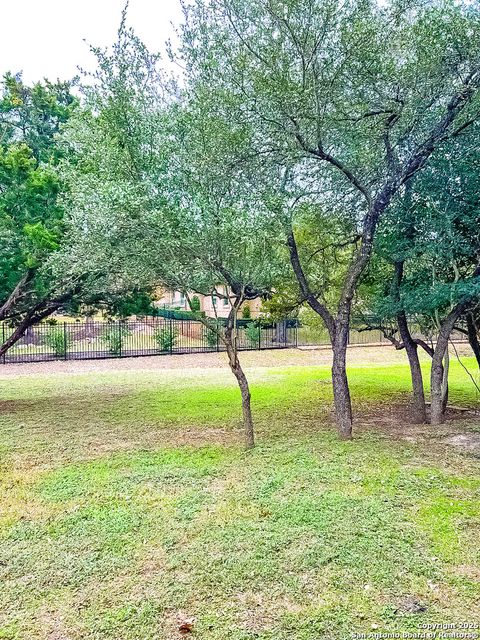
x: 128, y: 508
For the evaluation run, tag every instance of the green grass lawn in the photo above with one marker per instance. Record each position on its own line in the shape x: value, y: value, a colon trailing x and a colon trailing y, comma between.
x: 128, y: 507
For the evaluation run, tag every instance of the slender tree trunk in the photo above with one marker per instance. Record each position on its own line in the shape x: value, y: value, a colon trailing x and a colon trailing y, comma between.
x: 439, y: 372
x: 473, y: 337
x: 446, y: 371
x: 437, y: 412
x: 341, y: 390
x: 245, y: 393
x: 230, y: 341
x: 419, y: 409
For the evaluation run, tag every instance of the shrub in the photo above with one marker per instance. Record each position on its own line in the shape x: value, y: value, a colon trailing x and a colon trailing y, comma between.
x: 211, y: 337
x: 57, y: 339
x: 165, y: 337
x: 178, y: 314
x: 195, y: 304
x: 246, y: 312
x: 114, y: 336
x: 253, y: 333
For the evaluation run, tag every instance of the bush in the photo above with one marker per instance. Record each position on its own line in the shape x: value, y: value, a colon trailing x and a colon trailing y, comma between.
x: 178, y: 314
x: 253, y: 333
x: 57, y: 339
x: 211, y: 337
x: 165, y: 337
x: 246, y: 312
x: 195, y: 304
x: 114, y: 336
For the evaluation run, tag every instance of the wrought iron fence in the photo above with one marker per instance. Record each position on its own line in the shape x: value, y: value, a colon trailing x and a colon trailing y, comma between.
x: 161, y: 336
x: 121, y: 339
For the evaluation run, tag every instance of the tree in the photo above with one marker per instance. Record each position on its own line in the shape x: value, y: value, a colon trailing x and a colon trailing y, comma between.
x: 347, y: 102
x: 153, y: 199
x: 31, y: 215
x: 431, y: 239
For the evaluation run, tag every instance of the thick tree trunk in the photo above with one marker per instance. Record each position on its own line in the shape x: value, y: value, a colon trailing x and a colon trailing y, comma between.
x: 341, y: 391
x: 473, y: 337
x: 16, y: 335
x: 39, y: 313
x: 419, y: 409
x: 245, y: 393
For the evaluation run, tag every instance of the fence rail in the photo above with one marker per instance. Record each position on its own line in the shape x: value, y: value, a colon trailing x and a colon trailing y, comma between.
x: 122, y: 339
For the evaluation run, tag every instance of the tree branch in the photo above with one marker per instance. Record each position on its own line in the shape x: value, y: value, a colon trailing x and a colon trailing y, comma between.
x: 320, y: 153
x: 307, y: 294
x: 16, y: 294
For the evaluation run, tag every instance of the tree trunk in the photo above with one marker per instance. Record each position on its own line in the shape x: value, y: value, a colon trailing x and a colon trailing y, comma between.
x: 473, y: 337
x: 39, y: 313
x: 341, y: 391
x: 245, y: 392
x: 419, y: 409
x: 446, y: 371
x: 15, y: 336
x: 439, y: 373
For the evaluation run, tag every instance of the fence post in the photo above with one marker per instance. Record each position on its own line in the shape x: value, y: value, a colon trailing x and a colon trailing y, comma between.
x: 65, y: 344
x: 259, y: 337
x: 3, y: 341
x: 171, y: 335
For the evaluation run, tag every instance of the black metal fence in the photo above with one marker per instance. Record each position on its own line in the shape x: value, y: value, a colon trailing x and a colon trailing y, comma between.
x: 121, y: 339
x: 161, y: 336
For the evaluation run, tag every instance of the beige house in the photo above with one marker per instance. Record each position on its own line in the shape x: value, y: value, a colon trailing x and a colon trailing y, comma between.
x: 213, y: 306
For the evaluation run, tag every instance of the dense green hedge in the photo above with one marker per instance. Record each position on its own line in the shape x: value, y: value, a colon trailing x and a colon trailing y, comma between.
x: 178, y: 314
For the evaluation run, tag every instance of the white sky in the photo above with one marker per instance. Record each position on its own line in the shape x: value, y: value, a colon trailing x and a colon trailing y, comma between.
x: 45, y: 38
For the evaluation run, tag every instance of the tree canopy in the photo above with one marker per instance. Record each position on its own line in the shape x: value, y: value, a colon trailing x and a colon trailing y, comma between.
x: 31, y: 212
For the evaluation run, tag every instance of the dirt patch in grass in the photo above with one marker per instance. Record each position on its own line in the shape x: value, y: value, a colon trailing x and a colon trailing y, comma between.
x: 467, y: 441
x: 395, y: 420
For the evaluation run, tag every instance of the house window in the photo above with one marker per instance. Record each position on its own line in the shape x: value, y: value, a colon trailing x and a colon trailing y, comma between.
x: 214, y: 301
x: 226, y: 302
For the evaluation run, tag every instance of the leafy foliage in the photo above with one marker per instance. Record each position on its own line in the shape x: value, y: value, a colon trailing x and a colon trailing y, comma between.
x: 253, y: 333
x: 57, y: 339
x: 114, y: 337
x: 165, y: 337
x: 246, y: 312
x: 211, y: 336
x: 31, y: 213
x: 195, y: 304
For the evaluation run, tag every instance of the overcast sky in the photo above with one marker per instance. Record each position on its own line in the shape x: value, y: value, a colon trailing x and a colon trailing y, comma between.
x: 45, y: 38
